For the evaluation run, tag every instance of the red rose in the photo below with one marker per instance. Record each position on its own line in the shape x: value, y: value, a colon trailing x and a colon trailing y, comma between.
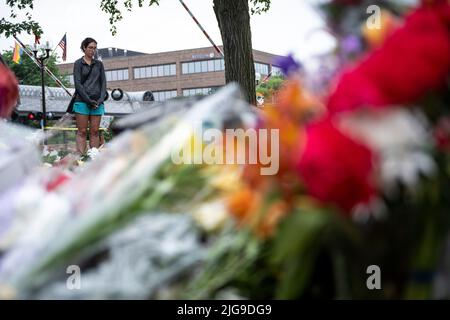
x: 334, y: 168
x: 9, y: 91
x: 442, y: 134
x: 414, y: 60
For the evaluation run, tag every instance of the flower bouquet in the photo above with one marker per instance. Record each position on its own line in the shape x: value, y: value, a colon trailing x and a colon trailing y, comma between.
x: 359, y: 207
x: 136, y: 175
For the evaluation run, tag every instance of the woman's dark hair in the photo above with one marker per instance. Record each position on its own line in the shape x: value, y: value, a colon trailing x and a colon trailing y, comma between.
x: 86, y: 42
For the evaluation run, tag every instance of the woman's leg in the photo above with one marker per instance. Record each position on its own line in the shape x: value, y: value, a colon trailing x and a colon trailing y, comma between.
x: 82, y: 124
x: 94, y: 138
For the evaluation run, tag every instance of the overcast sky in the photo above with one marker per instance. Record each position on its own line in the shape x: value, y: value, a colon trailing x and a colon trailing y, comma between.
x: 289, y: 26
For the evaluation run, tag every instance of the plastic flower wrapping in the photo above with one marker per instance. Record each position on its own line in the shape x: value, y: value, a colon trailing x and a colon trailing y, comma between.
x: 358, y: 177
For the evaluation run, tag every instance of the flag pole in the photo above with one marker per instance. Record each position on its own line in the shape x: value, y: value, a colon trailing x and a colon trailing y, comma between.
x: 29, y: 54
x: 201, y: 28
x: 266, y: 78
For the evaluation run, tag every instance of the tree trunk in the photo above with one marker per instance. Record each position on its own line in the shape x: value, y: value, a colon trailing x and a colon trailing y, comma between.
x: 234, y: 24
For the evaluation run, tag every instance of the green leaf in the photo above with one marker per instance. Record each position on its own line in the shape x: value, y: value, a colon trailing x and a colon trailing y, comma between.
x: 27, y: 72
x: 294, y: 250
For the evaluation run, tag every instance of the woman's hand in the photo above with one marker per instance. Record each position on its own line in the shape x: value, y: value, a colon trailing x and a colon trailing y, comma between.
x: 93, y: 104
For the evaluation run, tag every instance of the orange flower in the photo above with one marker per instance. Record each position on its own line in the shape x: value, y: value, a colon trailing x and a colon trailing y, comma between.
x: 266, y: 226
x: 249, y: 209
x: 296, y: 102
x: 242, y: 203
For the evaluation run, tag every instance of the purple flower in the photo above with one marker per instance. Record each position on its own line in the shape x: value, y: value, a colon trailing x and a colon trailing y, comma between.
x: 351, y: 44
x: 287, y: 64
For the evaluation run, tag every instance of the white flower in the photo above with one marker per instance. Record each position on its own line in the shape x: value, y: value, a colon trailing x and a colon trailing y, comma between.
x: 399, y: 138
x: 93, y: 153
x: 53, y: 153
x: 45, y: 151
x: 211, y: 215
x: 376, y: 208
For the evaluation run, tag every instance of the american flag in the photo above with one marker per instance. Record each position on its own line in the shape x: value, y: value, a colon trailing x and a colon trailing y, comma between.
x: 63, y: 45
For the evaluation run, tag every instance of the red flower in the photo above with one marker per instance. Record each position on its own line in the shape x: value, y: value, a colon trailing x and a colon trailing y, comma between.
x: 442, y: 134
x: 414, y: 60
x: 57, y: 182
x: 9, y: 91
x: 334, y: 168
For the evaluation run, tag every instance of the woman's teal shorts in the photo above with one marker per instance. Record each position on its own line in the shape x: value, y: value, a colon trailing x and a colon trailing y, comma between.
x: 82, y: 108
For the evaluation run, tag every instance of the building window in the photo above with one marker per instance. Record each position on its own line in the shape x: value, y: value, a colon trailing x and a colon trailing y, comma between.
x: 167, y: 69
x: 217, y: 64
x: 261, y: 68
x: 199, y: 91
x: 211, y: 65
x: 164, y: 95
x: 164, y: 70
x: 116, y: 75
x: 203, y: 66
x: 197, y: 67
x: 190, y: 67
x: 154, y: 72
x: 70, y: 79
x: 276, y: 71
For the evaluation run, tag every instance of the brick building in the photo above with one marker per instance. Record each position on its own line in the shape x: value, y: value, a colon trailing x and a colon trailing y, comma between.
x: 169, y: 74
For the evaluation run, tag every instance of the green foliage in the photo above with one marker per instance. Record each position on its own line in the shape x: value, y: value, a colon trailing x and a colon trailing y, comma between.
x: 290, y: 265
x: 295, y: 250
x: 111, y: 7
x: 108, y: 135
x: 259, y: 6
x: 273, y: 83
x: 29, y: 26
x: 230, y: 257
x: 270, y: 86
x: 29, y: 73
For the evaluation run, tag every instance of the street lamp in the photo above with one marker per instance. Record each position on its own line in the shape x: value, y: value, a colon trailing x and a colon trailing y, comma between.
x: 41, y: 59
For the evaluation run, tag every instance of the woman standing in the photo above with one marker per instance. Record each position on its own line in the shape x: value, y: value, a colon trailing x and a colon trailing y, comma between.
x: 90, y: 87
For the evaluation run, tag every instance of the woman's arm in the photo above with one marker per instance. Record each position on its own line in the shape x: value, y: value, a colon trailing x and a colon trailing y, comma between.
x: 103, y: 84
